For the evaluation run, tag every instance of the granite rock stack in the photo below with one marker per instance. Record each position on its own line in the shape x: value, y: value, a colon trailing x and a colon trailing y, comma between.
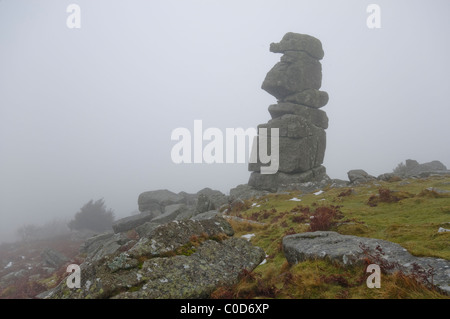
x: 295, y: 81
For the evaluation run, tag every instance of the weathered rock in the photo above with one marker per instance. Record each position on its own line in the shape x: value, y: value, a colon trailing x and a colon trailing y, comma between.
x: 134, y: 221
x: 347, y: 250
x: 142, y: 272
x: 305, y: 181
x: 244, y: 192
x: 198, y: 275
x: 207, y: 215
x: 413, y: 168
x: 295, y: 81
x: 293, y: 126
x: 316, y: 117
x: 299, y: 42
x: 292, y: 76
x: 311, y: 98
x: 358, y: 176
x: 209, y: 199
x: 171, y: 212
x: 146, y: 229
x: 298, y: 155
x: 158, y: 199
x: 170, y: 236
x: 53, y: 258
x: 102, y: 245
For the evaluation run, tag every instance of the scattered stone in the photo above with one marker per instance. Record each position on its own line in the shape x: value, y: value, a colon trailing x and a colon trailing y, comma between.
x: 346, y: 250
x: 443, y: 230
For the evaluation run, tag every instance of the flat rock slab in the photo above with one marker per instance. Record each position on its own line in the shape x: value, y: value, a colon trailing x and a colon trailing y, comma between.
x: 346, y: 250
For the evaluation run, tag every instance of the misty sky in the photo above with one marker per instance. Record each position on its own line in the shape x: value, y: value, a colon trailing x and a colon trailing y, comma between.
x: 88, y: 113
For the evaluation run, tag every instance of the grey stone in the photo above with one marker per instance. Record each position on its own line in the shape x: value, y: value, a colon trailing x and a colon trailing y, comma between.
x: 338, y: 183
x: 53, y: 258
x: 93, y: 243
x: 170, y: 236
x: 102, y: 245
x: 198, y: 275
x: 204, y: 204
x: 358, y: 176
x: 414, y: 168
x: 314, y: 116
x: 244, y: 191
x: 293, y: 126
x: 207, y: 215
x: 130, y: 222
x: 210, y: 199
x: 158, y: 199
x: 146, y: 229
x: 312, y: 98
x: 142, y: 272
x: 289, y: 77
x: 346, y: 250
x: 298, y: 155
x: 170, y: 213
x: 305, y: 181
x: 299, y: 42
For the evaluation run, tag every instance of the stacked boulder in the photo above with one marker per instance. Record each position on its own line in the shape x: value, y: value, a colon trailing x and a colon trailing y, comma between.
x: 295, y: 82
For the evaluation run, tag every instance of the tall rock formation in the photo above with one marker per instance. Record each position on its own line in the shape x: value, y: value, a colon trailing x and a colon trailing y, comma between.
x: 295, y: 82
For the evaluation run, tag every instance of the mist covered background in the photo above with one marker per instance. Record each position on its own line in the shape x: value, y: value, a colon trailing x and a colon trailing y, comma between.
x: 88, y: 113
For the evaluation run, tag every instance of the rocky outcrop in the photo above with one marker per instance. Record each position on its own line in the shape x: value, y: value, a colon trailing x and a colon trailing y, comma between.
x: 179, y: 259
x: 413, y: 168
x: 295, y: 81
x: 359, y: 176
x: 347, y: 250
x: 162, y: 206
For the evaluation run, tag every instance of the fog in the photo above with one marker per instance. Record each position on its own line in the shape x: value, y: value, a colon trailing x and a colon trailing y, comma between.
x: 88, y: 113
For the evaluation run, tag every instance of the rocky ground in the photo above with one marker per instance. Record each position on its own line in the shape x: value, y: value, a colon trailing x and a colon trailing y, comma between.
x: 310, y: 243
